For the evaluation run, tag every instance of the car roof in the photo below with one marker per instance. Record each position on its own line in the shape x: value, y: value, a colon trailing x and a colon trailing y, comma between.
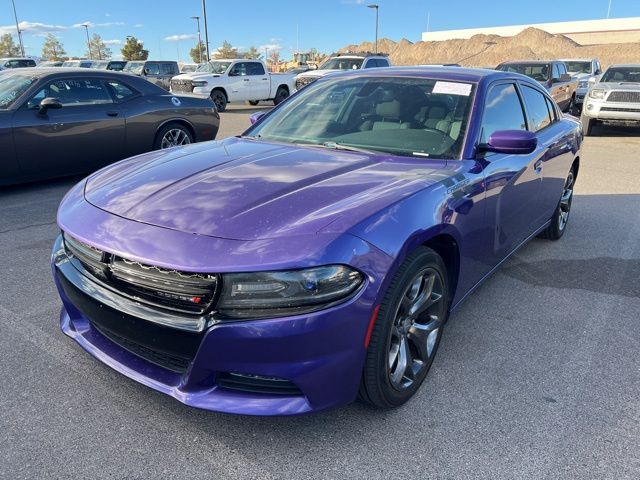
x: 578, y: 59
x: 460, y: 74
x: 532, y: 62
x: 625, y: 65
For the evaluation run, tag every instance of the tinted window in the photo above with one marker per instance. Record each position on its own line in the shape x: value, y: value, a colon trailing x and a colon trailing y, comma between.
x: 152, y: 69
x: 537, y: 108
x: 74, y: 92
x: 371, y: 63
x: 239, y: 69
x: 120, y: 90
x: 255, y: 68
x: 382, y: 62
x: 537, y: 71
x: 503, y: 111
x: 169, y: 69
x: 556, y: 71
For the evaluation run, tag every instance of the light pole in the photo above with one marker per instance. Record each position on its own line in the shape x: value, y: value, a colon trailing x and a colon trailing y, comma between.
x: 206, y: 31
x: 197, y: 19
x: 608, y: 9
x: 377, y: 7
x: 86, y: 28
x: 15, y: 16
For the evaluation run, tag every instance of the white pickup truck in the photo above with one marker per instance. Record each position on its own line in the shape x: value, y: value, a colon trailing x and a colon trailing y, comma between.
x: 235, y: 80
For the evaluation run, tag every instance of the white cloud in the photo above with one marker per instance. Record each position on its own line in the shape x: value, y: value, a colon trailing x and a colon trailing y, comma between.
x: 271, y: 47
x: 139, y: 25
x: 183, y: 36
x: 34, y: 28
x: 113, y: 42
x: 107, y: 14
x: 97, y: 25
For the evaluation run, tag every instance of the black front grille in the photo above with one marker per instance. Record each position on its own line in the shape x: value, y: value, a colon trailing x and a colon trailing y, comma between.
x: 256, y: 384
x: 624, y: 97
x: 302, y: 82
x: 170, y: 362
x: 613, y: 109
x: 184, y: 292
x: 179, y: 85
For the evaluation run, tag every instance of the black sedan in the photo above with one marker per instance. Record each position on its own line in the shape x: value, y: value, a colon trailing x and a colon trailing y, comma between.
x: 56, y: 122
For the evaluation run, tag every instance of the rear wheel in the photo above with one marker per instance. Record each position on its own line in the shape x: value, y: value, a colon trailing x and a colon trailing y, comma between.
x: 172, y: 135
x: 220, y: 100
x: 407, y: 331
x: 560, y: 218
x: 281, y: 95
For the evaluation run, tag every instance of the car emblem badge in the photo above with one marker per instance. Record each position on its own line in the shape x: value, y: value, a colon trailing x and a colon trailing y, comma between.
x: 175, y: 101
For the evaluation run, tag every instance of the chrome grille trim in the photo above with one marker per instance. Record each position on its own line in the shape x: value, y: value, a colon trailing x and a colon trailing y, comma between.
x: 624, y: 96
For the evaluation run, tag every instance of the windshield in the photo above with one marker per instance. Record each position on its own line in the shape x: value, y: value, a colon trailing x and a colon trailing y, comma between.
x: 537, y: 71
x: 622, y: 74
x: 12, y: 86
x: 73, y: 63
x: 100, y: 65
x: 214, y: 67
x: 133, y: 67
x: 402, y: 116
x: 578, y: 67
x: 188, y: 68
x: 341, y: 63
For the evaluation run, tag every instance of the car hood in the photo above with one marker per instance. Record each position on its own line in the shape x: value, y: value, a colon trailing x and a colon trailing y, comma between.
x: 625, y: 86
x: 319, y: 73
x: 247, y: 190
x: 195, y: 76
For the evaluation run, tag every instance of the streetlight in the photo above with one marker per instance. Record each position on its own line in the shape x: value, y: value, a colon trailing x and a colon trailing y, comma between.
x: 377, y: 7
x: 86, y: 28
x: 206, y: 31
x: 15, y: 15
x: 197, y: 19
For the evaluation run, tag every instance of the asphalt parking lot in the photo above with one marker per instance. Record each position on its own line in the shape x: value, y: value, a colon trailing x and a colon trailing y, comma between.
x: 538, y: 374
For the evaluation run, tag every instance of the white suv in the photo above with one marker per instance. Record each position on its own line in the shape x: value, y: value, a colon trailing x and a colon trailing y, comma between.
x: 341, y: 62
x: 583, y: 69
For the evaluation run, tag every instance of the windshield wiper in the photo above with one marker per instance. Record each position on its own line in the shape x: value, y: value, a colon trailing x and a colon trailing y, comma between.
x: 337, y: 146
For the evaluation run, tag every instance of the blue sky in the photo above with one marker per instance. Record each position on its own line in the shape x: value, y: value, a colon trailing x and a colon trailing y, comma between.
x: 168, y: 32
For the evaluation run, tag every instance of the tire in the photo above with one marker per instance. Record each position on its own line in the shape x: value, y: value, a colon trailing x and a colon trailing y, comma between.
x: 385, y: 384
x: 220, y: 100
x: 281, y: 95
x: 172, y: 135
x: 560, y: 217
x: 573, y: 108
x: 254, y: 102
x: 587, y: 125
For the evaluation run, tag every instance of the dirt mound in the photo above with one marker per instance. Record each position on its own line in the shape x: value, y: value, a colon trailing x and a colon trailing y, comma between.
x: 490, y: 50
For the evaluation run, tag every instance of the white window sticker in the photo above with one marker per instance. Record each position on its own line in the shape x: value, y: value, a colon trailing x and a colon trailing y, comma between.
x: 452, y: 88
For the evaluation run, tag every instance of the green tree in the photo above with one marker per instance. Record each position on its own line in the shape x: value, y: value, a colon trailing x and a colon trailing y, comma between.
x: 52, y: 49
x: 134, y: 50
x: 198, y: 53
x: 98, y: 50
x: 7, y: 47
x: 252, y: 53
x: 227, y: 51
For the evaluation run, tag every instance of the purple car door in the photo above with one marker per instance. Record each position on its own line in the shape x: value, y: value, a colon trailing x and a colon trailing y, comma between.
x: 513, y: 181
x: 85, y: 132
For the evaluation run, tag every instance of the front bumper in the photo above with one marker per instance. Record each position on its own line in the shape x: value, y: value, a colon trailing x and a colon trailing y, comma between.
x: 613, y: 111
x: 320, y: 354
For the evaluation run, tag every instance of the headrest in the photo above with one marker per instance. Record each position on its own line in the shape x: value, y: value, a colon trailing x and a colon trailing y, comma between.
x: 388, y: 109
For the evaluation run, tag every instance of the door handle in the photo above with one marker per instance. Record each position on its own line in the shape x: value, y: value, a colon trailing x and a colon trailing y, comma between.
x: 112, y: 114
x: 538, y: 166
x: 246, y: 80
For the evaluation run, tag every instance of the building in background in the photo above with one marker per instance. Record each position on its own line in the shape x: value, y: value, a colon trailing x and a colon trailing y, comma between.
x: 584, y: 32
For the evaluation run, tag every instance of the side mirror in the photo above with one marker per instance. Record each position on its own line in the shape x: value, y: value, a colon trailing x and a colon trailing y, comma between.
x: 512, y: 142
x: 234, y: 73
x: 145, y: 71
x: 565, y: 77
x: 49, y: 103
x: 256, y: 117
x: 593, y: 80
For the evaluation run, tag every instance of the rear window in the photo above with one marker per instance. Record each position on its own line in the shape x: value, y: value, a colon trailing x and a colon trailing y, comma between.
x: 537, y: 71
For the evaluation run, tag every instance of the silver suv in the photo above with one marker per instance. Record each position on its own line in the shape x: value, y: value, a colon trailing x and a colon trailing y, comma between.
x: 340, y: 62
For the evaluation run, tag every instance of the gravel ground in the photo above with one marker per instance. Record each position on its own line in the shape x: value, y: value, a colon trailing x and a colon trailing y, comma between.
x: 538, y: 374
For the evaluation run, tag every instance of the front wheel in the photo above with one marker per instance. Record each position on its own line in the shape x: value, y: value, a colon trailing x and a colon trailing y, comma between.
x: 281, y: 95
x: 587, y: 125
x: 172, y: 135
x: 407, y: 331
x: 220, y: 100
x: 560, y: 218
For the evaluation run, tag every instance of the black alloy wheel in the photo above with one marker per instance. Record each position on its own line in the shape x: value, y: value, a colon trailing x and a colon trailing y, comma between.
x: 220, y: 100
x: 561, y: 216
x: 407, y: 331
x: 281, y: 95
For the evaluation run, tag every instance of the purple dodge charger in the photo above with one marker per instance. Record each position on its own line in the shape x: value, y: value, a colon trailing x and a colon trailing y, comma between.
x: 316, y: 258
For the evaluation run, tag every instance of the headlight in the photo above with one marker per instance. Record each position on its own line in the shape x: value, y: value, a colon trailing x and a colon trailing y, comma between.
x: 199, y: 83
x: 583, y: 84
x: 597, y: 94
x: 293, y: 292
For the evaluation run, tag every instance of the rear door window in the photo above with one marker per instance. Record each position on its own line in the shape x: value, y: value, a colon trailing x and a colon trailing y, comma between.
x: 537, y: 108
x: 255, y: 68
x: 152, y: 69
x: 502, y: 111
x: 168, y: 69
